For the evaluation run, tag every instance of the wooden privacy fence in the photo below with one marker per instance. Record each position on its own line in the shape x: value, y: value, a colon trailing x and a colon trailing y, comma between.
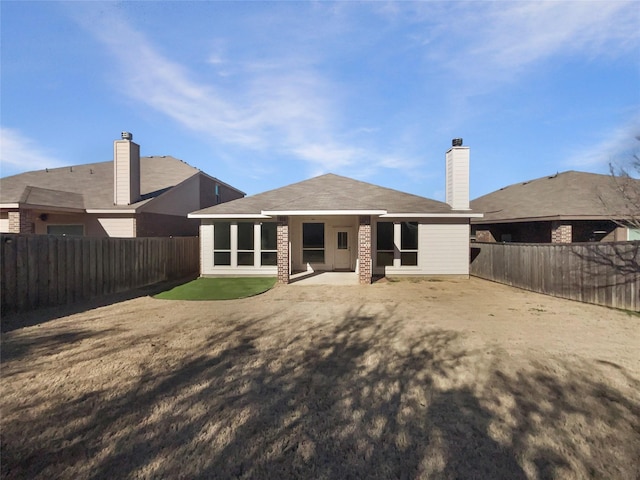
x: 601, y: 273
x: 47, y: 270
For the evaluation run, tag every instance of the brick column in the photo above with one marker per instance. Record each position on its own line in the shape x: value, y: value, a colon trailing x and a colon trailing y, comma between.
x: 364, y: 250
x: 283, y: 249
x: 560, y: 232
x: 21, y: 222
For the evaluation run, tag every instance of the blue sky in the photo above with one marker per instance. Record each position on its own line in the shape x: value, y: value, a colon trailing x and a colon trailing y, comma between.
x: 263, y: 94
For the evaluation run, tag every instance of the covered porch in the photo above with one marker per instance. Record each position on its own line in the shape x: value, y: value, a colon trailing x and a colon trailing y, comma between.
x: 313, y: 243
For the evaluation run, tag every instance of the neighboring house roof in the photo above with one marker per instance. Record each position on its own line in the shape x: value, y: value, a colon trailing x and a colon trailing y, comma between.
x: 328, y: 194
x: 563, y: 196
x: 90, y: 186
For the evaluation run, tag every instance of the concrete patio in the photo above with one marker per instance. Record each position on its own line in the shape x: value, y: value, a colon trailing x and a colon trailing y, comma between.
x: 324, y: 278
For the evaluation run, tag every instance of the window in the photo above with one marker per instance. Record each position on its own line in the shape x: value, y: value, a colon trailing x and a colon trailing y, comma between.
x: 269, y: 244
x: 66, y: 230
x: 389, y: 236
x: 222, y: 243
x: 245, y: 243
x: 236, y: 244
x: 342, y: 241
x: 313, y: 242
x: 409, y: 243
x: 384, y: 242
x: 217, y: 193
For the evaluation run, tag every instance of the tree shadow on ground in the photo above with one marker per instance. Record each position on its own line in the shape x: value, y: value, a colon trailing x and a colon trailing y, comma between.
x: 46, y: 344
x: 354, y: 399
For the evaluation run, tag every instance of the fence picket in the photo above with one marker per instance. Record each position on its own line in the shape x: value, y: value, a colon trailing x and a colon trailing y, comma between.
x: 45, y: 270
x: 601, y: 273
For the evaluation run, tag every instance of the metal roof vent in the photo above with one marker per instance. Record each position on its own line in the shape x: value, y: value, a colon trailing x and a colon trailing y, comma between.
x: 456, y: 142
x: 127, y: 136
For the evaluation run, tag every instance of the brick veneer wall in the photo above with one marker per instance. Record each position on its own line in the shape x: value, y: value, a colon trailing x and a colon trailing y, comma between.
x: 561, y: 232
x: 21, y: 222
x: 484, y: 236
x: 283, y: 249
x: 364, y: 250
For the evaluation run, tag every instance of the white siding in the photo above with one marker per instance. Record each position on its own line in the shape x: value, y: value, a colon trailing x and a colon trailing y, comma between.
x: 118, y: 227
x: 4, y: 222
x: 126, y: 175
x: 444, y: 249
x: 206, y: 247
x: 457, y: 187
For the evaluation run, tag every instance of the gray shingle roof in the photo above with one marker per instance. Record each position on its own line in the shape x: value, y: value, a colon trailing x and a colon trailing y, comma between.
x: 329, y: 192
x: 565, y: 195
x: 90, y: 186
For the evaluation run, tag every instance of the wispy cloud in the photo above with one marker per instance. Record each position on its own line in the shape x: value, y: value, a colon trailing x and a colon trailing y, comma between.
x: 488, y: 43
x: 514, y: 35
x: 615, y: 147
x: 283, y: 104
x: 280, y: 99
x: 18, y: 152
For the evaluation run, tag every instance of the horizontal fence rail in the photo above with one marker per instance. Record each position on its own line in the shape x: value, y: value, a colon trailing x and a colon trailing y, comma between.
x: 48, y: 270
x: 601, y: 273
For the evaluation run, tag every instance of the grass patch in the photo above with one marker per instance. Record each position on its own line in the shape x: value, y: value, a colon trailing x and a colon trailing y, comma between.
x: 219, y: 288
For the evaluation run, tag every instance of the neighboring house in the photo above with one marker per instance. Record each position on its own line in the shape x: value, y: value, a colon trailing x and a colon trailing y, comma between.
x: 561, y: 208
x: 333, y: 223
x: 150, y: 197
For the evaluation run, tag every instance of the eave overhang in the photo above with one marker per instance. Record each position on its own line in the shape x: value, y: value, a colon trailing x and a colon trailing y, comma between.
x: 432, y: 215
x: 227, y: 215
x: 294, y: 213
x: 111, y: 210
x: 550, y: 218
x: 35, y: 206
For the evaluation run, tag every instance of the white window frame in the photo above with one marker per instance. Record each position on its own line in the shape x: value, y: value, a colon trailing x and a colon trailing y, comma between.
x: 397, y: 247
x: 234, y: 251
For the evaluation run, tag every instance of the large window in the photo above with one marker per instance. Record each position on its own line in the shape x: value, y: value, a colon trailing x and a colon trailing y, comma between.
x: 269, y: 244
x: 245, y: 244
x: 384, y: 242
x: 389, y: 237
x: 222, y: 243
x: 409, y: 243
x: 237, y: 244
x: 313, y: 242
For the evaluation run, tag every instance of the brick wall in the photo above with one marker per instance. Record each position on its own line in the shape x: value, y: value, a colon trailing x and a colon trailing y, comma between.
x: 283, y: 250
x: 364, y: 250
x: 561, y: 232
x: 21, y: 222
x: 484, y: 236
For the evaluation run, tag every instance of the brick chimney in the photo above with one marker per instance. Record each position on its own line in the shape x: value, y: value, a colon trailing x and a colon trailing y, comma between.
x: 126, y: 170
x: 457, y: 188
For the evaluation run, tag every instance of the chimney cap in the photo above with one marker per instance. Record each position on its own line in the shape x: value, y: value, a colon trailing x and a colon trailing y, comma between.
x: 456, y: 142
x: 127, y: 136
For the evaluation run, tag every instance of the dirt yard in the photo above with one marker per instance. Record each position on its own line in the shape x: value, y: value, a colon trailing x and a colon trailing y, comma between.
x: 430, y: 379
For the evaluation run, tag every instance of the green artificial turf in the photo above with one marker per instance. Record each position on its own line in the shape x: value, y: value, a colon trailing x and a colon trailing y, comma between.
x: 219, y: 288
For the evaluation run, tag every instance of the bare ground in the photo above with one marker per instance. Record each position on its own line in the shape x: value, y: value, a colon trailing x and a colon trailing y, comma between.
x: 450, y: 379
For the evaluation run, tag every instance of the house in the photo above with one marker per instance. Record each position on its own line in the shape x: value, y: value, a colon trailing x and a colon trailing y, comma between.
x: 334, y: 223
x: 565, y: 207
x: 131, y: 196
